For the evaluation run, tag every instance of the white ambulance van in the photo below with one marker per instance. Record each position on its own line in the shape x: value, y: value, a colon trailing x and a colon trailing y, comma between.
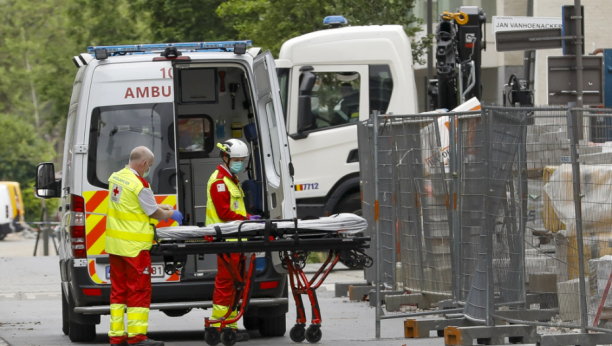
x: 178, y: 100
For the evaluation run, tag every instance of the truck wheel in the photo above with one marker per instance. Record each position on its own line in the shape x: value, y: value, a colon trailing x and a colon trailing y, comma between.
x: 273, y: 325
x: 65, y: 314
x: 250, y: 322
x: 81, y: 332
x: 350, y: 204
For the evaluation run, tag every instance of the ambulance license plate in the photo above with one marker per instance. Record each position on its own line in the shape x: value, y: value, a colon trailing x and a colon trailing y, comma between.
x: 157, y: 271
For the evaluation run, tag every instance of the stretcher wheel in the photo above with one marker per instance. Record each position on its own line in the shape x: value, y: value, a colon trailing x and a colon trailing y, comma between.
x: 313, y: 333
x: 212, y: 336
x: 228, y: 337
x: 297, y: 333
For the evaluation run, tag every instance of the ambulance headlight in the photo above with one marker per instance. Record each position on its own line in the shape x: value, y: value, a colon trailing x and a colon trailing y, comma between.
x: 101, y: 53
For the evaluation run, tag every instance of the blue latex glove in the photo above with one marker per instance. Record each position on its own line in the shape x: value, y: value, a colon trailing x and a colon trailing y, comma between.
x: 177, y: 216
x: 254, y: 217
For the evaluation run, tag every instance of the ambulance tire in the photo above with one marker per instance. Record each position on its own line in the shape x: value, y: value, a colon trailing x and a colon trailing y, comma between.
x: 78, y: 332
x: 65, y: 314
x: 250, y: 322
x: 81, y: 332
x: 273, y: 325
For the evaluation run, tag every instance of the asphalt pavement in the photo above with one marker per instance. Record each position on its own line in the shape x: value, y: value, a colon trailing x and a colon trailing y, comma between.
x: 30, y: 311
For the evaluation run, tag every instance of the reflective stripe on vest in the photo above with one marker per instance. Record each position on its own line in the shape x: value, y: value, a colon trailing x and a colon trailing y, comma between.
x: 236, y: 199
x: 127, y: 226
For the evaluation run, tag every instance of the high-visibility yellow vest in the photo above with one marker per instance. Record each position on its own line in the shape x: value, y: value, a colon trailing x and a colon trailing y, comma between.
x: 128, y: 229
x: 236, y: 199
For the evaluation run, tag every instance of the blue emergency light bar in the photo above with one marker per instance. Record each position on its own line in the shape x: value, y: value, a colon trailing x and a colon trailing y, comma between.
x: 335, y: 21
x: 223, y: 46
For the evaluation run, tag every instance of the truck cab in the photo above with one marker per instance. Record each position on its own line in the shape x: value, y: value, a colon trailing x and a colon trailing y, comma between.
x: 329, y: 80
x: 179, y: 100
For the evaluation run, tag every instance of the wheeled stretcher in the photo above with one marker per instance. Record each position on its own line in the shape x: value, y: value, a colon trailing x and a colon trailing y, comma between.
x: 292, y: 239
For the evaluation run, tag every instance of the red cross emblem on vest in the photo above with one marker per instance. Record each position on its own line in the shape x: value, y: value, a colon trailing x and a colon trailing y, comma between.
x: 116, y: 194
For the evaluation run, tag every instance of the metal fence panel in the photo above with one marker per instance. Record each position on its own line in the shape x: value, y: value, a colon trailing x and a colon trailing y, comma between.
x: 511, y: 214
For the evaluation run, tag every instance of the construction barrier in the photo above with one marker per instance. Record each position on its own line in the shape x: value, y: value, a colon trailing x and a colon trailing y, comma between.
x: 503, y: 215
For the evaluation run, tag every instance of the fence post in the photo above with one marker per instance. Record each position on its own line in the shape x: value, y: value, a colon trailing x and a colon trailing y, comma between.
x: 374, y: 119
x: 457, y: 218
x: 454, y: 231
x: 489, y: 217
x: 572, y: 121
x: 394, y: 194
x: 523, y: 189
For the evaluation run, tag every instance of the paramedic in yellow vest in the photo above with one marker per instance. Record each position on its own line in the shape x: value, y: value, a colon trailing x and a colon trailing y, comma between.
x: 129, y: 237
x: 226, y: 203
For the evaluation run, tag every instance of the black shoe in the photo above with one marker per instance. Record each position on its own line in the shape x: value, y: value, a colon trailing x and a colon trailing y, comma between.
x: 148, y: 342
x: 243, y: 336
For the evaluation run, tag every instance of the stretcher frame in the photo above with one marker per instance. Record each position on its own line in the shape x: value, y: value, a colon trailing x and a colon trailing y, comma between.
x: 290, y: 243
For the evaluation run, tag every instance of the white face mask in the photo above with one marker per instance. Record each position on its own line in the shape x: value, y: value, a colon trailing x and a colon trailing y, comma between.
x: 146, y: 174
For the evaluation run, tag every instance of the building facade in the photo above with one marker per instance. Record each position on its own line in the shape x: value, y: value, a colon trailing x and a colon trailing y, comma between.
x: 497, y: 67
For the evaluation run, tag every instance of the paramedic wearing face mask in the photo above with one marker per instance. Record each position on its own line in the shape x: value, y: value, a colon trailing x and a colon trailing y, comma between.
x: 226, y: 203
x: 129, y: 237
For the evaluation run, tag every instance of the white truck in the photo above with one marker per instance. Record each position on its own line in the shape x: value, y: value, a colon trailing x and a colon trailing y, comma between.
x: 179, y: 100
x: 329, y: 80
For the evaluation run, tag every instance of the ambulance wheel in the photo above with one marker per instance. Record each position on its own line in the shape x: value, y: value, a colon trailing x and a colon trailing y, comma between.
x: 250, y: 322
x: 81, y: 332
x: 65, y: 314
x: 212, y: 336
x: 314, y: 334
x: 297, y: 333
x: 228, y: 337
x: 273, y: 325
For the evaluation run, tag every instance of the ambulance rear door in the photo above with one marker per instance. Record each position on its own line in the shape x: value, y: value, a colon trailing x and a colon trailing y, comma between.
x: 130, y: 104
x: 276, y: 157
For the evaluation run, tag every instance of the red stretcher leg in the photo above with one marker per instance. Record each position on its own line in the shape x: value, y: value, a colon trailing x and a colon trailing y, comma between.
x: 242, y: 283
x: 301, y: 285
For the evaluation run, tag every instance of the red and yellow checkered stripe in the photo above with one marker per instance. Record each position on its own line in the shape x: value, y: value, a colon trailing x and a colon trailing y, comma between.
x: 299, y: 187
x: 96, y: 204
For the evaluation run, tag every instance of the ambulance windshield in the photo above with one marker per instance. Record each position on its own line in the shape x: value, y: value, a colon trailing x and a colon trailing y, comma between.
x: 116, y: 130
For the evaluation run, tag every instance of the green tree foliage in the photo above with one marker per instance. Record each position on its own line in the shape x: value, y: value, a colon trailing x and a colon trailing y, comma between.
x: 20, y: 152
x: 269, y: 23
x: 378, y: 12
x: 38, y: 39
x: 185, y: 20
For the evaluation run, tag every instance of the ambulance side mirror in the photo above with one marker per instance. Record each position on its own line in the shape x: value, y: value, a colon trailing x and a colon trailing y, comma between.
x: 46, y: 185
x: 306, y: 120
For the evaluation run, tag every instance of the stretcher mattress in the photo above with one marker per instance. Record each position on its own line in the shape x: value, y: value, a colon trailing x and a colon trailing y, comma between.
x: 341, y: 223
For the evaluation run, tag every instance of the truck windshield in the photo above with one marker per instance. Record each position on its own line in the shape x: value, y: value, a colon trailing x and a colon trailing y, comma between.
x: 116, y: 130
